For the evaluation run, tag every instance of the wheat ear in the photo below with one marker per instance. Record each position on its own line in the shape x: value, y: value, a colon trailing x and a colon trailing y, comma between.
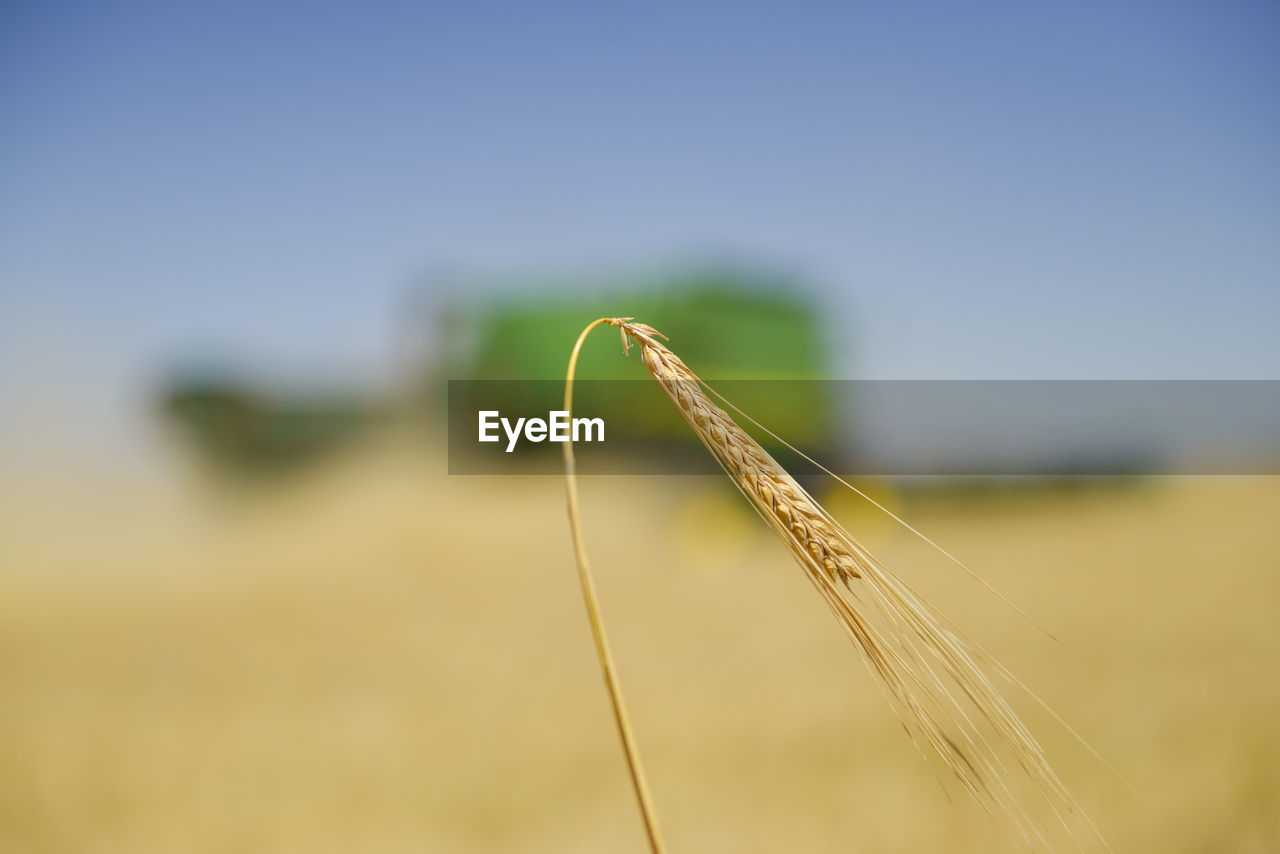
x: 932, y: 675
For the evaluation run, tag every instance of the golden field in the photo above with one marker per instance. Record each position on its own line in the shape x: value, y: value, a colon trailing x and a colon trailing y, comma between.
x: 375, y: 656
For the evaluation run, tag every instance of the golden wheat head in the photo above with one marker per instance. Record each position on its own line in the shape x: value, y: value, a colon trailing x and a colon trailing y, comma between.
x: 936, y: 679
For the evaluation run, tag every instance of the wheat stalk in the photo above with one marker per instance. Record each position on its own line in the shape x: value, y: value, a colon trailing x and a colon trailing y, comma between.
x: 609, y: 671
x: 932, y: 675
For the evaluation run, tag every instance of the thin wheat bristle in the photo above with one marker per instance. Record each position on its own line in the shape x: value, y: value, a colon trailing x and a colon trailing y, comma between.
x: 932, y: 675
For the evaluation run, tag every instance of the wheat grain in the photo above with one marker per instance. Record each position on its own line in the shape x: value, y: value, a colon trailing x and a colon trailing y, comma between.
x: 933, y: 675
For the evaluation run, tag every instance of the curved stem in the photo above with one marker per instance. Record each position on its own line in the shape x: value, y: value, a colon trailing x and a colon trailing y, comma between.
x: 593, y: 613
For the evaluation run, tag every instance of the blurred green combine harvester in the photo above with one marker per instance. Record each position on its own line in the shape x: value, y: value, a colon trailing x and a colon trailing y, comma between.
x: 738, y: 332
x: 757, y: 342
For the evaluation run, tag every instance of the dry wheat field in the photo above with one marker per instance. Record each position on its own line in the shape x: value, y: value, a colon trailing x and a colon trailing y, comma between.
x: 374, y: 656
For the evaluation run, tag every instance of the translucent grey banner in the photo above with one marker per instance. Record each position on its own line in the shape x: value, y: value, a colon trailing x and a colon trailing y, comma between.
x: 1052, y: 428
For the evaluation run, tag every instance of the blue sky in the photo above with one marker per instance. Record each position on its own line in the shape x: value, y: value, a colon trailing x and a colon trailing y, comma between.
x: 976, y: 190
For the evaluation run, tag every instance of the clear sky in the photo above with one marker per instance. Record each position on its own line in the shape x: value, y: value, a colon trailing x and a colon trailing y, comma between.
x: 978, y: 190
